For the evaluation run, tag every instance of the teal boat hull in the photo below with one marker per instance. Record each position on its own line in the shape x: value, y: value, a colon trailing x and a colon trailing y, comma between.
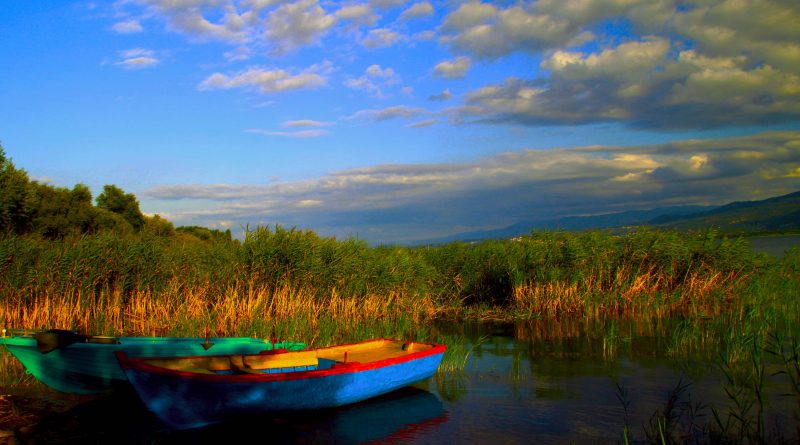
x: 91, y: 368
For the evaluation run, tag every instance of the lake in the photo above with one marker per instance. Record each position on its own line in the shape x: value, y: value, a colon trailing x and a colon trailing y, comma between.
x: 535, y: 382
x: 775, y: 246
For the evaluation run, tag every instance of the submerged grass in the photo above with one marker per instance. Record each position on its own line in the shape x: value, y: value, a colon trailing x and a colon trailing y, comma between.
x: 742, y: 417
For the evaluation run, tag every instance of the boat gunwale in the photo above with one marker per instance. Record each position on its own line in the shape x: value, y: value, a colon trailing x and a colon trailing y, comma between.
x: 22, y: 340
x: 141, y: 364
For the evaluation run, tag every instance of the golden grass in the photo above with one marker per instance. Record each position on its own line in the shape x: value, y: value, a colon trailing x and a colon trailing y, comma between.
x: 646, y: 293
x: 240, y: 310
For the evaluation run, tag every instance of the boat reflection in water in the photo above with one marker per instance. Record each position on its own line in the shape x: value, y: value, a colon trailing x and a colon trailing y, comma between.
x: 402, y: 416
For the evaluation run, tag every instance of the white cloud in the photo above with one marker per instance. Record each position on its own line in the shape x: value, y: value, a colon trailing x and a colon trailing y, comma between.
x: 675, y: 65
x: 467, y: 15
x: 417, y: 11
x: 441, y: 97
x: 137, y: 58
x: 360, y: 14
x: 300, y: 134
x: 407, y: 201
x: 266, y: 80
x: 381, y: 38
x: 297, y: 24
x: 374, y: 80
x: 399, y: 111
x: 191, y: 21
x: 127, y: 27
x: 647, y: 83
x: 387, y: 4
x: 456, y: 69
x: 305, y: 123
x: 238, y: 54
x: 422, y: 124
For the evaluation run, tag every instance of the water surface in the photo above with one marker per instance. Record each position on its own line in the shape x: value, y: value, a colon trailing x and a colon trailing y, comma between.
x: 537, y: 382
x: 774, y: 246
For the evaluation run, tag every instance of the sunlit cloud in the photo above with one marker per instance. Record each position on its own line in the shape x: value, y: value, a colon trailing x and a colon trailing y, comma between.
x: 417, y: 11
x: 399, y: 111
x: 297, y: 24
x: 646, y: 83
x: 441, y: 97
x: 374, y: 80
x: 422, y: 124
x: 381, y: 38
x: 360, y: 14
x: 127, y: 27
x: 137, y: 58
x: 411, y: 201
x: 267, y: 80
x: 456, y: 69
x: 300, y: 134
x: 305, y: 123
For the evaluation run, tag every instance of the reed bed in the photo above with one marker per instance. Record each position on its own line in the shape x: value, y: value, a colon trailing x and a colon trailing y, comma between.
x: 322, y: 289
x: 238, y: 311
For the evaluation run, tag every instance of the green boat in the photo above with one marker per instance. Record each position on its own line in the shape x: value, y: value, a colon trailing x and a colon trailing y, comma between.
x: 86, y: 364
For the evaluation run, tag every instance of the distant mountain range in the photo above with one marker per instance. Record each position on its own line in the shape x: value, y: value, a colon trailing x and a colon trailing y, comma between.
x: 781, y: 213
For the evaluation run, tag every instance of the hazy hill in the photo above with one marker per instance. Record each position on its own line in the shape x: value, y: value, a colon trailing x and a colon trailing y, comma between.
x: 574, y: 223
x: 773, y: 214
x: 781, y: 213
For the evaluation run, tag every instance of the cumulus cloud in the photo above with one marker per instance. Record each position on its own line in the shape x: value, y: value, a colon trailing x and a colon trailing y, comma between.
x: 490, y: 32
x: 441, y: 97
x: 237, y: 54
x: 765, y: 32
x: 374, y: 80
x: 360, y: 14
x: 416, y: 201
x: 740, y: 65
x: 127, y: 27
x: 650, y: 63
x: 417, y: 11
x: 279, y: 25
x: 399, y: 111
x: 298, y: 24
x: 387, y: 4
x: 308, y: 129
x: 137, y: 58
x: 455, y: 69
x: 267, y: 80
x: 231, y: 27
x: 381, y: 38
x: 647, y: 83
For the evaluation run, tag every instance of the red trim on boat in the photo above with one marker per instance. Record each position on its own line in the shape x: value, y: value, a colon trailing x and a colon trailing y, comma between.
x: 140, y: 363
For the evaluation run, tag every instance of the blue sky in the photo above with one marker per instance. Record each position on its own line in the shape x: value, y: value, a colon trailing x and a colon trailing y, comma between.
x: 395, y: 121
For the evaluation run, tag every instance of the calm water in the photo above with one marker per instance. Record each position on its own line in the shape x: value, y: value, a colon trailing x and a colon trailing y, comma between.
x: 541, y: 382
x: 775, y: 246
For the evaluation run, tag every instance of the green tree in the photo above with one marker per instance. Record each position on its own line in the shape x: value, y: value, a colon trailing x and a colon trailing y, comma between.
x: 124, y: 204
x: 158, y: 226
x: 15, y: 197
x: 59, y: 212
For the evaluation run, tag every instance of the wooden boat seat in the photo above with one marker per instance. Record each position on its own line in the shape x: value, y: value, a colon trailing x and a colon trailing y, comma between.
x: 326, y: 358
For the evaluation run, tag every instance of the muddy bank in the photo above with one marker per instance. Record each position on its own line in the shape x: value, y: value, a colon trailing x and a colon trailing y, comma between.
x: 68, y: 419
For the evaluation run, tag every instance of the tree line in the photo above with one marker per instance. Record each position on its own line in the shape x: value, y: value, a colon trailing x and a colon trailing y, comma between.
x: 30, y: 207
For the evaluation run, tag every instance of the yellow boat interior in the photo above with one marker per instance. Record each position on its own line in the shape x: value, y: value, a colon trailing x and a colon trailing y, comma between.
x: 310, y: 360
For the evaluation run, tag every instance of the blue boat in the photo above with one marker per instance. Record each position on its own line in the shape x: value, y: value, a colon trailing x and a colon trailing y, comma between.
x: 85, y: 364
x: 190, y: 392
